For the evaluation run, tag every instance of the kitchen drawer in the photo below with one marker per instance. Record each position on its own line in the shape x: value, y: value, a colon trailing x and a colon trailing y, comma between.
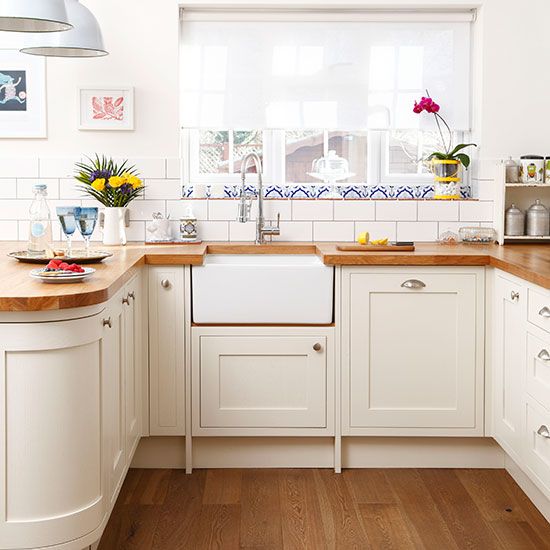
x: 538, y: 366
x: 537, y: 448
x: 539, y: 309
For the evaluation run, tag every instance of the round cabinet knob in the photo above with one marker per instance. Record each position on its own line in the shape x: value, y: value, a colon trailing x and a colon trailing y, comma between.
x: 165, y: 283
x: 107, y: 323
x: 317, y: 347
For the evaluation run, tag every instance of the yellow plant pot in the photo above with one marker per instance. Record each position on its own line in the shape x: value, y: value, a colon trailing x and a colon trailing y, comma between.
x: 447, y: 179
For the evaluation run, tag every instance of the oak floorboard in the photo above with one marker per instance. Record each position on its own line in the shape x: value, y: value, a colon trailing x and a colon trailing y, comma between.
x: 346, y: 522
x: 421, y: 510
x: 261, y: 510
x: 222, y: 487
x: 315, y: 509
x: 180, y: 510
x: 387, y: 527
x: 459, y: 511
x: 300, y: 511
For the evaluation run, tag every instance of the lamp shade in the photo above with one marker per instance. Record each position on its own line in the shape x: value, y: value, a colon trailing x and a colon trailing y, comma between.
x: 33, y: 16
x: 83, y: 40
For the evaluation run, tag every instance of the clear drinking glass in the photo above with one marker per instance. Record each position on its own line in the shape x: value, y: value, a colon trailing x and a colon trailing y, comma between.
x: 86, y: 219
x: 66, y: 215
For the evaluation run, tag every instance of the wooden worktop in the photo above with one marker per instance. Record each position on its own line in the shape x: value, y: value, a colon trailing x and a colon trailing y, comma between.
x: 19, y: 292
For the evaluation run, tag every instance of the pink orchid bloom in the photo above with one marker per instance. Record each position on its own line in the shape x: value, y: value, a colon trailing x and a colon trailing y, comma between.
x: 426, y: 104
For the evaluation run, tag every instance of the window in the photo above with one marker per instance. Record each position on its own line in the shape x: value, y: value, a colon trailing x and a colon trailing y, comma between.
x: 292, y: 86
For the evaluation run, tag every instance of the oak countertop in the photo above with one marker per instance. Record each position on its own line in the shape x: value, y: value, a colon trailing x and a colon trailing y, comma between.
x: 19, y: 292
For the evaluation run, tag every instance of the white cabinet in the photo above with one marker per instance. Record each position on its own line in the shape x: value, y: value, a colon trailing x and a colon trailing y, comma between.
x: 166, y: 351
x: 52, y: 379
x: 508, y: 369
x: 263, y: 381
x: 412, y: 341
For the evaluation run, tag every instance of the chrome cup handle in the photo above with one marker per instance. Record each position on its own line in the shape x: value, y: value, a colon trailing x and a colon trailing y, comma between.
x: 413, y: 284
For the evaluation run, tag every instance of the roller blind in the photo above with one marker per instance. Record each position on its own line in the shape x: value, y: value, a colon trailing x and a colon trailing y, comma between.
x: 330, y: 72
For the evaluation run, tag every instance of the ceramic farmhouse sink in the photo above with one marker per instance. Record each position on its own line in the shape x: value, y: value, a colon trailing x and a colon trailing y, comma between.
x: 266, y: 289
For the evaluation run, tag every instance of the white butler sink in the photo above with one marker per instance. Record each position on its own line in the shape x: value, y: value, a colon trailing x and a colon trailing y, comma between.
x: 266, y: 289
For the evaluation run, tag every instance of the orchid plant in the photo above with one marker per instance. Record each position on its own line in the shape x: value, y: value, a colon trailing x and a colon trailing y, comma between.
x: 113, y: 185
x: 428, y: 105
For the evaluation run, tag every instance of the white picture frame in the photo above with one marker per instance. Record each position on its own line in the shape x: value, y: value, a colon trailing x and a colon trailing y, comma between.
x: 23, y: 109
x: 109, y: 108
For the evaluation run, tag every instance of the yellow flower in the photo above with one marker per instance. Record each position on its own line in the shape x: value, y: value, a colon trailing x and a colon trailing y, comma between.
x: 116, y: 181
x: 135, y: 182
x: 99, y: 184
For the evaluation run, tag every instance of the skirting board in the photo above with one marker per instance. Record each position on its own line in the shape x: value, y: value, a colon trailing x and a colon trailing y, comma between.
x: 318, y: 452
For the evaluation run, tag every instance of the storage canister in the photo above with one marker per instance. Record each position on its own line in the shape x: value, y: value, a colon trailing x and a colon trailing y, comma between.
x: 547, y: 169
x: 532, y: 169
x: 538, y: 220
x: 514, y: 224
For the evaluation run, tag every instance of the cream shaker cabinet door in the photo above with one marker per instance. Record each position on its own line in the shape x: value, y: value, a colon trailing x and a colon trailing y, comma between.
x: 413, y: 352
x: 113, y: 358
x: 263, y: 381
x: 52, y: 484
x: 166, y: 350
x: 133, y: 336
x: 509, y: 364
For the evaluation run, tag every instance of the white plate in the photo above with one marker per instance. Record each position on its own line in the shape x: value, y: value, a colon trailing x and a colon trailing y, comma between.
x: 65, y: 277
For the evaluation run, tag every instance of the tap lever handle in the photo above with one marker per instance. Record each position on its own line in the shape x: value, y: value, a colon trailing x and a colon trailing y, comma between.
x: 278, y: 220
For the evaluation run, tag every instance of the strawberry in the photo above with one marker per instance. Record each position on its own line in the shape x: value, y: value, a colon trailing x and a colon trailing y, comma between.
x: 63, y: 266
x: 52, y: 265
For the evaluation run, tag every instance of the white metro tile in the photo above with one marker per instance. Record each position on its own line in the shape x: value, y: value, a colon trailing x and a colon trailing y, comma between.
x: 242, y: 231
x: 173, y: 168
x: 8, y: 188
x: 19, y: 168
x: 163, y: 189
x: 14, y: 209
x: 136, y: 231
x: 177, y: 209
x: 312, y: 210
x: 480, y: 211
x: 222, y: 209
x: 25, y: 188
x: 148, y: 168
x: 69, y: 189
x: 437, y: 210
x: 57, y: 167
x: 333, y: 231
x: 272, y: 207
x: 144, y: 210
x: 484, y: 190
x: 417, y: 231
x: 377, y: 230
x: 353, y: 210
x: 9, y: 230
x: 394, y: 210
x: 296, y: 231
x: 213, y: 230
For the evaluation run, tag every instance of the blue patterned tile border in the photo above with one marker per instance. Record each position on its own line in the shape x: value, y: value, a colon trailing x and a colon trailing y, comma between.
x: 373, y: 192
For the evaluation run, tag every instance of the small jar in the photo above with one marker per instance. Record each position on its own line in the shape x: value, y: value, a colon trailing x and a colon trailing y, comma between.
x: 512, y: 171
x: 538, y: 220
x: 532, y: 169
x: 514, y: 224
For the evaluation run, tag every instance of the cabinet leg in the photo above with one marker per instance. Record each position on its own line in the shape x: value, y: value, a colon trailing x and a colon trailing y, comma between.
x: 338, y: 454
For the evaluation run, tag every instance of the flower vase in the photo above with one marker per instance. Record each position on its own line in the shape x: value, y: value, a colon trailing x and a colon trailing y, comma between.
x: 447, y: 178
x: 114, y: 226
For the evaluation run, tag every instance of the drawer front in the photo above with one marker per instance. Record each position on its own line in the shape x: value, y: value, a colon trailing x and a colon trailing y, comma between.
x: 539, y: 309
x: 538, y: 366
x: 263, y: 381
x: 537, y: 448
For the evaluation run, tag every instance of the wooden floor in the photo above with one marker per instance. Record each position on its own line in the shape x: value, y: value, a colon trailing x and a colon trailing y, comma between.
x: 317, y: 509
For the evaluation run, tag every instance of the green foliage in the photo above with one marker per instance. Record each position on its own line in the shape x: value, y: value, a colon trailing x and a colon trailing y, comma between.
x: 454, y: 154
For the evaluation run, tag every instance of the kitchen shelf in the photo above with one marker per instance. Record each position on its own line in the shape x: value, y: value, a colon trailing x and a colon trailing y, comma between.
x: 528, y: 185
x: 526, y: 238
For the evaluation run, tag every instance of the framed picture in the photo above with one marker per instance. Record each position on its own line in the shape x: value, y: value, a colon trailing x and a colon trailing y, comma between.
x: 22, y: 95
x: 106, y: 108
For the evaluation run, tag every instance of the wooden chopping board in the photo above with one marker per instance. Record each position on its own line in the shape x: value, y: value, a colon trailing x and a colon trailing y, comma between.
x: 375, y: 248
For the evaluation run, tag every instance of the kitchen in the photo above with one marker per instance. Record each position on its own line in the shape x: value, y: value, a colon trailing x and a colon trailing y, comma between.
x: 278, y: 324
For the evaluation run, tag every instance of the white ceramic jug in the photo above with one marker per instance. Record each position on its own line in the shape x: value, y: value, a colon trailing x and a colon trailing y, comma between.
x: 114, y: 226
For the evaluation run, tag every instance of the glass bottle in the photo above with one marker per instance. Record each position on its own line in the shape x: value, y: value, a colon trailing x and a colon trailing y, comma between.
x: 40, y: 229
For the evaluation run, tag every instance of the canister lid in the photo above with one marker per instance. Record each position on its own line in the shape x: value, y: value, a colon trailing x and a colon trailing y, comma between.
x: 532, y: 157
x: 513, y: 210
x: 537, y: 206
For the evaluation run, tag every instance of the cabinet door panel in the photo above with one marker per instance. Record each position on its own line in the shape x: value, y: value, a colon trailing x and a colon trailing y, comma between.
x: 263, y: 382
x: 509, y: 353
x: 50, y: 432
x: 166, y: 351
x: 538, y: 366
x: 412, y: 352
